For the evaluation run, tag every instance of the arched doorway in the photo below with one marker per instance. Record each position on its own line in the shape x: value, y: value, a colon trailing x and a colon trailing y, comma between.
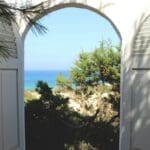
x: 61, y: 51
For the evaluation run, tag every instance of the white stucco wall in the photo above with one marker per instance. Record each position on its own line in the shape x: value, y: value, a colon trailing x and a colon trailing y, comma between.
x: 129, y: 19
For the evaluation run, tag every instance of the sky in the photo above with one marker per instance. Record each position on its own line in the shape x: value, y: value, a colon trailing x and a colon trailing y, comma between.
x: 70, y: 31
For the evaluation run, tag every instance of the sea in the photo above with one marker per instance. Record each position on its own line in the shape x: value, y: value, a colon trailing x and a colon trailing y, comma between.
x: 32, y: 77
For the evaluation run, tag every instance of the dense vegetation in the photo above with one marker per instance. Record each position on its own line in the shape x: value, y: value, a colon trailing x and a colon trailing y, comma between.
x: 51, y: 123
x: 93, y: 68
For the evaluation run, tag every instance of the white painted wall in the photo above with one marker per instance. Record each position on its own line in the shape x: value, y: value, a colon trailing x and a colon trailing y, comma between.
x: 130, y: 20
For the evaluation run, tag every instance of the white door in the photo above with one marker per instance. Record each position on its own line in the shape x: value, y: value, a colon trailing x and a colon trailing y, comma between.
x: 135, y: 105
x: 11, y: 91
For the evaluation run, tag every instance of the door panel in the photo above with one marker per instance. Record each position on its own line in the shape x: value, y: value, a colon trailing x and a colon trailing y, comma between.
x: 9, y: 111
x: 141, y: 110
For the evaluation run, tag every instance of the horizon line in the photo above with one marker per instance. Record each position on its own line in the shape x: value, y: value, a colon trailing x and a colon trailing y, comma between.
x: 47, y: 70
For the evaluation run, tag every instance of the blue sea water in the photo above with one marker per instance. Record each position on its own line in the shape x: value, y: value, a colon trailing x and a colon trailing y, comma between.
x: 31, y: 78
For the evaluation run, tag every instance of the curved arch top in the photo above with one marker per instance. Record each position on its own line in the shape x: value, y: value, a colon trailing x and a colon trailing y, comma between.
x: 50, y: 6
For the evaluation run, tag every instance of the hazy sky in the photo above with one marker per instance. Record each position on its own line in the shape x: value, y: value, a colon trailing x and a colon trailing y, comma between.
x: 70, y: 31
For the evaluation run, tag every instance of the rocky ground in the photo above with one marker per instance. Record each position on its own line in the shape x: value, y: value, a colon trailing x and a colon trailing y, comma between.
x: 84, y: 104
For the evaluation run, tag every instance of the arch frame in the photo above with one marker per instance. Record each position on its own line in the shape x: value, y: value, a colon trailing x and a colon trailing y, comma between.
x: 45, y: 9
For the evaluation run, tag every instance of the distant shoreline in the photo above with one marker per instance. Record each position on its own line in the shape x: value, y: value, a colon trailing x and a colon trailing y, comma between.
x: 46, y: 70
